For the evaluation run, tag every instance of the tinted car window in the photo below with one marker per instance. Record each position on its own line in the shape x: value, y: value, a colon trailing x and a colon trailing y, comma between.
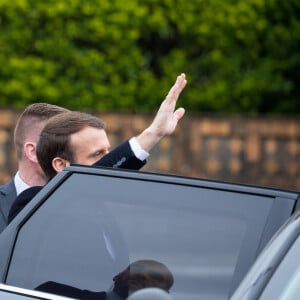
x: 92, y: 227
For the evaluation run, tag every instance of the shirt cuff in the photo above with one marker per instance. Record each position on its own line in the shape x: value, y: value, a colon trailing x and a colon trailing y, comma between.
x: 140, y: 153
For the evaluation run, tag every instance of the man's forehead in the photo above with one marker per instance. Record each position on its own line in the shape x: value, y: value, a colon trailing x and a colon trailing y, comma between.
x: 89, y: 137
x: 87, y: 132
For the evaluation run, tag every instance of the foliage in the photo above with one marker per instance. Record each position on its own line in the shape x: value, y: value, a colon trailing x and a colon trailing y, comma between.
x: 239, y: 56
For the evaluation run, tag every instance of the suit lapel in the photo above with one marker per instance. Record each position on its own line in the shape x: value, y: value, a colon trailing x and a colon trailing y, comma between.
x: 7, y: 196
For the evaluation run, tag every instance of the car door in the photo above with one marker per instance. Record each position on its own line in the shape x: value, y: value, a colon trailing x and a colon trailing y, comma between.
x: 276, y: 272
x: 89, y: 224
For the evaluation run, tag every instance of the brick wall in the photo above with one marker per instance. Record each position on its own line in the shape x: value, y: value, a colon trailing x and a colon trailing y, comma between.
x: 8, y: 163
x: 259, y: 151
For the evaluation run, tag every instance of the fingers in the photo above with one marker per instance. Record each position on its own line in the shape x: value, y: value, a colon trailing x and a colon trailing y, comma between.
x: 176, y: 88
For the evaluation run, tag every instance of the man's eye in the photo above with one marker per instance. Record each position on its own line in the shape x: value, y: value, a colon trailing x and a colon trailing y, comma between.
x: 99, y: 153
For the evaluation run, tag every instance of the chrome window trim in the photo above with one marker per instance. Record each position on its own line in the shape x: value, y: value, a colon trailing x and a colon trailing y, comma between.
x: 26, y: 292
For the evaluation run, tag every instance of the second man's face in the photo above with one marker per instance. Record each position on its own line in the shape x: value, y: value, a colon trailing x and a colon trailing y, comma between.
x: 89, y: 145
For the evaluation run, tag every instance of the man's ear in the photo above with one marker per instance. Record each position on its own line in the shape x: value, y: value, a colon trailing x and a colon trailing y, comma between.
x: 30, y: 151
x: 59, y: 164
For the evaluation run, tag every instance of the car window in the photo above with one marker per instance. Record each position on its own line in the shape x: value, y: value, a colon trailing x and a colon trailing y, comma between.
x: 92, y: 227
x: 285, y: 282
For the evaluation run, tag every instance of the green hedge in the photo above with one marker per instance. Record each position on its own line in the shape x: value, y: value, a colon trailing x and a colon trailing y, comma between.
x: 239, y: 56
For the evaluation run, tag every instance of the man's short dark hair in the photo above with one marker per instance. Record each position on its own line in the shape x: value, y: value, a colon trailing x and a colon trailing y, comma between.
x: 55, y: 137
x: 30, y: 118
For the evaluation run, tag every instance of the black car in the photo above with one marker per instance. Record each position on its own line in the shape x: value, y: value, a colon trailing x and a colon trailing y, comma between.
x: 89, y: 224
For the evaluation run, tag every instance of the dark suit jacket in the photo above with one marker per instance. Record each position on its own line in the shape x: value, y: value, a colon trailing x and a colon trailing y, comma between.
x: 120, y: 157
x: 8, y: 194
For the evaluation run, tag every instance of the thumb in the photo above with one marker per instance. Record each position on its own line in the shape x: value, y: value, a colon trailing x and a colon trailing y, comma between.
x: 178, y: 113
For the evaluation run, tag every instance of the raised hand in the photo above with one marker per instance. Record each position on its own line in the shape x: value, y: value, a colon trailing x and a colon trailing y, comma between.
x: 166, y: 119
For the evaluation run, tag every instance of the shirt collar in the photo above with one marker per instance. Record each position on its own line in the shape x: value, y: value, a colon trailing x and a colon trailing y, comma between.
x: 20, y: 184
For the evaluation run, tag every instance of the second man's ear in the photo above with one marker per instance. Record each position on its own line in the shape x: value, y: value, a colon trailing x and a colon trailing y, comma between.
x: 59, y: 164
x: 30, y: 151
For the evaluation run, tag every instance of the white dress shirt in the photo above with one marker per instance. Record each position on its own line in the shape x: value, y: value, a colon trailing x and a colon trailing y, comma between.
x: 20, y: 184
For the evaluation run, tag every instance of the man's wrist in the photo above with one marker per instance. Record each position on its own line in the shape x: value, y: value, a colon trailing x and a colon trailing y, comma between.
x: 148, y: 139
